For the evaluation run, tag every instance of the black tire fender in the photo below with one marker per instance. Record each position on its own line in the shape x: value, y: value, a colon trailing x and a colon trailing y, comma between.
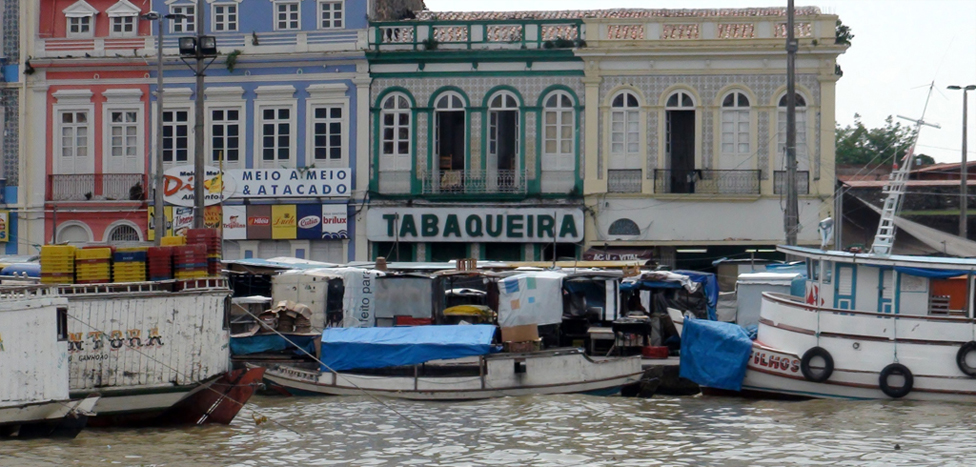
x: 964, y: 352
x: 813, y: 375
x: 896, y: 369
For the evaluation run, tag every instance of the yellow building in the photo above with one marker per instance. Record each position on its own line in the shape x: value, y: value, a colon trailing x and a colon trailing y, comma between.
x: 685, y: 134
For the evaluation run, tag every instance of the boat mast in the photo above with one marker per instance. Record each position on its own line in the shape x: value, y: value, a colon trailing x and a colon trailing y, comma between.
x: 884, y: 239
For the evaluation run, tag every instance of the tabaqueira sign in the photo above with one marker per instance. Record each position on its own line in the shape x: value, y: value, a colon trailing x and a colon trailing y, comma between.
x: 482, y: 225
x: 256, y: 183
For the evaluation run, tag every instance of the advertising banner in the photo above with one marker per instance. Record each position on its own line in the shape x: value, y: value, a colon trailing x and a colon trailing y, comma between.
x: 4, y: 225
x: 309, y: 221
x: 235, y: 222
x: 284, y: 225
x: 182, y: 220
x: 168, y: 212
x: 212, y: 216
x: 285, y: 183
x: 255, y: 183
x: 485, y: 225
x: 259, y: 222
x: 334, y: 222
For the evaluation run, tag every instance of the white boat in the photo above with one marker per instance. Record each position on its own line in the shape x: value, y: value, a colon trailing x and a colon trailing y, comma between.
x: 157, y: 352
x: 870, y: 326
x: 391, y: 362
x: 34, y: 396
x: 560, y: 371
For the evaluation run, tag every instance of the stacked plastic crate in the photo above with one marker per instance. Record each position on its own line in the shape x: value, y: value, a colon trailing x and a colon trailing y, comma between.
x: 210, y: 238
x: 177, y: 240
x: 190, y: 261
x: 129, y: 265
x: 57, y: 264
x: 93, y: 265
x: 160, y: 263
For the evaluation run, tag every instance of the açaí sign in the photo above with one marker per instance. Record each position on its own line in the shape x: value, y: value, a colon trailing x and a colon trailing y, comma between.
x: 484, y: 225
x: 255, y: 183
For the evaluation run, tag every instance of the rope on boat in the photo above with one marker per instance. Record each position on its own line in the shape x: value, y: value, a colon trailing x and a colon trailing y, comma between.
x: 337, y: 374
x: 209, y: 388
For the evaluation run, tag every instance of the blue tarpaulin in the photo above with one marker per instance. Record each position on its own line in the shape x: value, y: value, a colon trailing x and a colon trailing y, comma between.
x: 714, y: 354
x: 271, y: 342
x: 355, y: 348
x: 708, y: 281
x: 930, y: 273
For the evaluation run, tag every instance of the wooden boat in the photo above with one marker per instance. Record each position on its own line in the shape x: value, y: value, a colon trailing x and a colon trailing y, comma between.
x: 34, y: 398
x: 559, y: 371
x: 392, y: 362
x: 157, y: 352
x: 870, y: 327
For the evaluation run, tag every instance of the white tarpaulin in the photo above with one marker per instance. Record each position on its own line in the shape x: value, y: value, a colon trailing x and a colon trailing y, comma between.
x: 531, y: 298
x: 359, y: 299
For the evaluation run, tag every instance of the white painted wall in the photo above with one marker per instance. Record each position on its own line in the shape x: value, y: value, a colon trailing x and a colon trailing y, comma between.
x: 33, y: 364
x: 704, y: 220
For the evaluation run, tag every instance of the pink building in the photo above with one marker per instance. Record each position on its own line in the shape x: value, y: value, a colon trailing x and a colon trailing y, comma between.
x: 88, y: 114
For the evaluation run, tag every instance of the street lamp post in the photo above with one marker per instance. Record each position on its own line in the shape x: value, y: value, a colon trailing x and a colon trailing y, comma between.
x: 199, y: 47
x: 159, y: 213
x: 964, y: 172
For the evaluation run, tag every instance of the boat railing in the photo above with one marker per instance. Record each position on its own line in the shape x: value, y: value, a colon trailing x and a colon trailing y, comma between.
x: 790, y: 300
x: 197, y: 285
x: 23, y: 292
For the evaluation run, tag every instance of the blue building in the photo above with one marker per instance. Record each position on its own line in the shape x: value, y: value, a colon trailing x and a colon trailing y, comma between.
x: 286, y: 119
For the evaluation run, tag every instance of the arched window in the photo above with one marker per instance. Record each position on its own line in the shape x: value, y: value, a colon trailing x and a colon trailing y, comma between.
x: 503, y: 131
x: 449, y: 130
x: 73, y: 234
x: 736, y: 135
x: 679, y: 143
x: 124, y: 233
x: 559, y: 132
x: 623, y: 227
x: 624, y: 124
x: 395, y: 133
x: 802, y: 155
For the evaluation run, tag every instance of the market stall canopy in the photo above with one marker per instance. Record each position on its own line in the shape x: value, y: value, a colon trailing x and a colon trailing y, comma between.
x: 358, y: 348
x: 531, y: 298
x: 692, y: 281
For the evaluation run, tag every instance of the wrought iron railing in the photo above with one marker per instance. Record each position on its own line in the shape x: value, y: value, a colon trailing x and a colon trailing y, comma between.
x: 802, y: 182
x: 96, y: 187
x: 624, y: 181
x: 715, y: 182
x: 472, y: 182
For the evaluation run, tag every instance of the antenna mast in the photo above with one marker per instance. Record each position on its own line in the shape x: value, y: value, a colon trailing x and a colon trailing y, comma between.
x: 884, y: 239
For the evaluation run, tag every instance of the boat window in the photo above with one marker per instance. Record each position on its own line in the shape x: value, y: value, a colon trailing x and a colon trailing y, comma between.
x: 813, y: 269
x: 828, y: 271
x: 62, y: 324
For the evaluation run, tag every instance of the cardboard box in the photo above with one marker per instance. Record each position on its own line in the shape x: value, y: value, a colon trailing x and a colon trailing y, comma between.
x: 520, y: 347
x: 523, y: 333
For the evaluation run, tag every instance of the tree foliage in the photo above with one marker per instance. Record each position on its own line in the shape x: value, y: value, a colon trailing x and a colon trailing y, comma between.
x: 842, y: 34
x: 858, y: 144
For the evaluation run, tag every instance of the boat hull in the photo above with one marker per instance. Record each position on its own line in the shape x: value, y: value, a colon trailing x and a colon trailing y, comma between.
x: 48, y: 419
x: 861, y: 345
x: 215, y: 401
x: 504, y: 375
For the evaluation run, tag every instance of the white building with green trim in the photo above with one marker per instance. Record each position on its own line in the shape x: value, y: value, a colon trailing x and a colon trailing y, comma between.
x: 476, y: 132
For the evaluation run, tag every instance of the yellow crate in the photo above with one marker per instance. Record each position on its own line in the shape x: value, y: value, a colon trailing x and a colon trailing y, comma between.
x: 173, y: 241
x: 94, y: 253
x: 58, y: 249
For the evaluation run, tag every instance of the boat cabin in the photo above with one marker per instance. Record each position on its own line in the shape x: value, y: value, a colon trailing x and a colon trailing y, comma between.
x: 908, y: 285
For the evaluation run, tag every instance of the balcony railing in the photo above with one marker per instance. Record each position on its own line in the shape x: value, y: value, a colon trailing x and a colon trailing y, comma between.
x: 493, y: 34
x: 714, y: 182
x: 802, y: 182
x: 473, y: 182
x: 96, y: 187
x: 624, y: 181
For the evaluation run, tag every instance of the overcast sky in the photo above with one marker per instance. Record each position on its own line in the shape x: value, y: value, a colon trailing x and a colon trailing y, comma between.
x: 900, y: 46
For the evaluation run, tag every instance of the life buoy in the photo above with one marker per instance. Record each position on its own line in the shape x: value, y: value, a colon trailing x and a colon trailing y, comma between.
x: 817, y: 375
x: 900, y: 370
x: 962, y: 356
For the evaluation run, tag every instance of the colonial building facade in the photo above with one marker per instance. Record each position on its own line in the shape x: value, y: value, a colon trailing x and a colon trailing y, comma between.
x: 283, y: 105
x: 87, y: 115
x: 686, y: 138
x: 11, y: 96
x: 476, y: 138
